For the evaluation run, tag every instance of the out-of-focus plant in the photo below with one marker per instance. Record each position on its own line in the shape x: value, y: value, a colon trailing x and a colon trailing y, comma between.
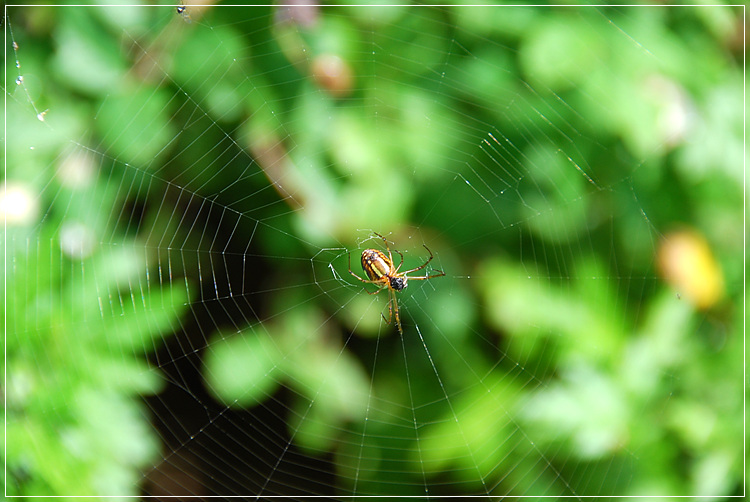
x: 599, y: 364
x: 75, y: 362
x: 85, y: 306
x: 624, y: 353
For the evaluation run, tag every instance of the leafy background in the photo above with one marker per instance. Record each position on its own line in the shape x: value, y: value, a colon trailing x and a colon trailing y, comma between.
x: 634, y: 338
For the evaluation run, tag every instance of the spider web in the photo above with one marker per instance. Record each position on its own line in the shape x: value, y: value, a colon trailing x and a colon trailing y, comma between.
x: 194, y: 229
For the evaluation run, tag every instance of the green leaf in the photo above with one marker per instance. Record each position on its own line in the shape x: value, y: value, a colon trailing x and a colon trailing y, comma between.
x: 87, y: 58
x: 560, y: 51
x: 241, y: 370
x: 141, y: 119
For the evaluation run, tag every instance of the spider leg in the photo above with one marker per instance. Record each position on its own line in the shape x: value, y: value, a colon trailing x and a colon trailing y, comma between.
x: 390, y: 312
x: 402, y: 261
x: 424, y: 264
x: 384, y: 239
x: 395, y: 313
x: 375, y: 292
x: 425, y: 277
x: 388, y: 248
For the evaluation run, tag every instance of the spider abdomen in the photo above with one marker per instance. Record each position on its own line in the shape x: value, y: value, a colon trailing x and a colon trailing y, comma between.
x: 376, y: 264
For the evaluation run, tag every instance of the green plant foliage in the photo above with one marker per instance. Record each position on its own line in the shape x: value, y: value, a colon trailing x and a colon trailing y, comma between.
x: 246, y: 369
x: 546, y: 154
x: 74, y: 366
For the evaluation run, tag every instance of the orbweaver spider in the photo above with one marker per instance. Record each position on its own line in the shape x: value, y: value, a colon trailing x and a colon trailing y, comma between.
x: 379, y: 268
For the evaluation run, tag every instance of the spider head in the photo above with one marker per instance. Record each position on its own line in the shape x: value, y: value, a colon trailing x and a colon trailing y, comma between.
x: 398, y: 283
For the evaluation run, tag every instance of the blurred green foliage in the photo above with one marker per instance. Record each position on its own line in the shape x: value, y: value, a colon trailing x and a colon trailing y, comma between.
x: 544, y: 153
x: 75, y: 345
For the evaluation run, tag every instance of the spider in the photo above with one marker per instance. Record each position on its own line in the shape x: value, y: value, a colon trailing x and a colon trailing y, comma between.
x: 379, y: 268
